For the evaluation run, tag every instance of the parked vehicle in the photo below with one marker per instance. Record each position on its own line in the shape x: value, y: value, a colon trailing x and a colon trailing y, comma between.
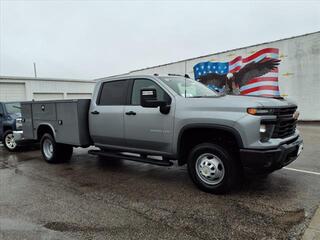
x: 217, y: 136
x: 10, y: 120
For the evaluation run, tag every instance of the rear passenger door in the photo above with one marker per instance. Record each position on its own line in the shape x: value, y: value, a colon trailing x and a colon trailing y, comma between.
x: 106, y: 120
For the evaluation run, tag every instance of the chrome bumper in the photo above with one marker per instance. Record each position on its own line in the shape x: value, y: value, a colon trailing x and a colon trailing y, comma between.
x: 18, y: 136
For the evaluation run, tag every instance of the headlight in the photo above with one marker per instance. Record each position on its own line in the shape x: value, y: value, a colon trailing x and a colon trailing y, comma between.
x: 19, y: 123
x: 260, y: 111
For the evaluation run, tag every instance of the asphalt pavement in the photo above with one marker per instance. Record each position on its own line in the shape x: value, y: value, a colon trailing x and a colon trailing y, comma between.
x: 92, y: 199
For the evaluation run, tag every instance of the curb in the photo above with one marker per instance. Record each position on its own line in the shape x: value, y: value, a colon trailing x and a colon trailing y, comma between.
x: 313, y: 231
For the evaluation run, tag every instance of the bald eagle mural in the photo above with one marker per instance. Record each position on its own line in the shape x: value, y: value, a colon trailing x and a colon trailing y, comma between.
x: 256, y: 74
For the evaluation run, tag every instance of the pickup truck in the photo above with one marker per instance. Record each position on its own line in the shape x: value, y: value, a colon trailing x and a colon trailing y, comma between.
x: 10, y: 120
x: 219, y: 137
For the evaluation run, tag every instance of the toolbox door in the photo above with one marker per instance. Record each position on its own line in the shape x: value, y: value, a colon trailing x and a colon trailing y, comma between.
x: 27, y: 123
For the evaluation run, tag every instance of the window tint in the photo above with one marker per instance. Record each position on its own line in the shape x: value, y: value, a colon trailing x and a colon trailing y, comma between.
x: 13, y: 108
x: 114, y: 93
x: 145, y: 83
x: 1, y: 109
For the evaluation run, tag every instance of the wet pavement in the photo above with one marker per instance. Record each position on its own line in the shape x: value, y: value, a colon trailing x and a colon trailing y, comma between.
x: 91, y: 199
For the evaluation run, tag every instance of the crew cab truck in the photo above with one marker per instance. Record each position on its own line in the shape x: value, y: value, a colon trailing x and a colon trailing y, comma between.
x: 175, y: 117
x: 10, y: 120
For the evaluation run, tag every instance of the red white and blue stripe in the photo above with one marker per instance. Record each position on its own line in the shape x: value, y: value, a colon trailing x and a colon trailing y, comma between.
x: 266, y: 85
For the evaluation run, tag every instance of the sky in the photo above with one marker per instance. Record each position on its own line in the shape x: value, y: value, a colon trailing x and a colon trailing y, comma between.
x: 93, y: 39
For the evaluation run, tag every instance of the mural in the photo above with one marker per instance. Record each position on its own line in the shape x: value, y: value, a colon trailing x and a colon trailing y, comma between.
x: 256, y: 74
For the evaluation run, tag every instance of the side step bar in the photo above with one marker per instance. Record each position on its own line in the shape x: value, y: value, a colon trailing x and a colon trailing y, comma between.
x: 131, y: 158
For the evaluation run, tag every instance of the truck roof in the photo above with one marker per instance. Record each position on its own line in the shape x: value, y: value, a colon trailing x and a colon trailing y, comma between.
x: 10, y: 102
x: 132, y: 76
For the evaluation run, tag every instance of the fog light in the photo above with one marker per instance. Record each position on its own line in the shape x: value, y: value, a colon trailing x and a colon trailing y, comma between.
x: 263, y: 128
x: 266, y: 131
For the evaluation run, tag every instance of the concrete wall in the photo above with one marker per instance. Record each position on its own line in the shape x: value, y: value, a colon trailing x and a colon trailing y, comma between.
x: 45, y: 88
x: 299, y: 71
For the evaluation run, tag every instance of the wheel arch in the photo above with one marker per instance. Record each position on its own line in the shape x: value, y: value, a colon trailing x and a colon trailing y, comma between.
x: 7, y: 128
x: 190, y: 128
x: 45, y: 128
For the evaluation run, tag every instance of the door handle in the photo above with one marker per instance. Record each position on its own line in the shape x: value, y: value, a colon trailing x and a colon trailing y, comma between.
x: 95, y: 112
x: 131, y: 113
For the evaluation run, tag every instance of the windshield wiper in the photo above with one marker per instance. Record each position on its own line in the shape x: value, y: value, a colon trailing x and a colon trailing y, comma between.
x: 205, y: 96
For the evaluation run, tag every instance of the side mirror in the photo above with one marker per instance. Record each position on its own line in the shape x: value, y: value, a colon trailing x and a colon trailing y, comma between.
x: 148, y: 98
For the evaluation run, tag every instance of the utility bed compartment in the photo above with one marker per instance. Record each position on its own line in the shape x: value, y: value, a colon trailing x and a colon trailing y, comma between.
x: 68, y: 119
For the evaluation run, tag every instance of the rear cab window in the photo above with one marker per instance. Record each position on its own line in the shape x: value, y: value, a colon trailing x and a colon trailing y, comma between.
x: 113, y: 93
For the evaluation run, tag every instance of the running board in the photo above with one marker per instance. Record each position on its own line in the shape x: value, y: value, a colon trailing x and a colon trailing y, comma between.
x: 164, y: 163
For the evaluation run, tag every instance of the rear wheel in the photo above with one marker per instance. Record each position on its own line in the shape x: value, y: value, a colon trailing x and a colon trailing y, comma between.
x: 9, y: 141
x: 212, y: 168
x: 54, y: 152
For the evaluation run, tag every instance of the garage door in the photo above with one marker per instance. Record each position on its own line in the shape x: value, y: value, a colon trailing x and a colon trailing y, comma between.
x: 47, y: 96
x: 12, y: 92
x: 78, y: 95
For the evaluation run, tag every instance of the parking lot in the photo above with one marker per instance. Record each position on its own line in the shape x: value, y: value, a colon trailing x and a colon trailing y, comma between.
x: 91, y: 199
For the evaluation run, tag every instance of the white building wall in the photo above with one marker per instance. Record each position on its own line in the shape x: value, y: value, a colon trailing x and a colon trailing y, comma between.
x: 48, y: 89
x: 299, y: 71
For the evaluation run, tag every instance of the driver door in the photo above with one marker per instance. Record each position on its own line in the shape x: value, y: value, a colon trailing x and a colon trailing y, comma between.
x: 147, y: 128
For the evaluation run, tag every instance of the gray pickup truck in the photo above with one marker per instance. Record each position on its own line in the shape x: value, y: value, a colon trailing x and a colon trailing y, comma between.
x: 219, y: 137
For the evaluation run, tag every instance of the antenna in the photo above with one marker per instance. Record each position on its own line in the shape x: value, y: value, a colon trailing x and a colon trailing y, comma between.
x: 185, y: 87
x: 185, y: 79
x: 35, y: 70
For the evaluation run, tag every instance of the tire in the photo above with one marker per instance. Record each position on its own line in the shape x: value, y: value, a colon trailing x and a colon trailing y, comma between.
x: 212, y: 168
x: 53, y: 152
x: 9, y: 142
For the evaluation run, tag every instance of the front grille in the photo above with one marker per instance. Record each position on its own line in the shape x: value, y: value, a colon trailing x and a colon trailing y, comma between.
x: 285, y: 124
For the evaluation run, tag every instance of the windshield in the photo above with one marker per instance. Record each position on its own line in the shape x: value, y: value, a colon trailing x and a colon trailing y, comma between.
x: 187, y: 87
x: 13, y: 108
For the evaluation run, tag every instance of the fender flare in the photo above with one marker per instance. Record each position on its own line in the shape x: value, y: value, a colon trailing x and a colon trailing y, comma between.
x: 229, y: 129
x: 48, y: 125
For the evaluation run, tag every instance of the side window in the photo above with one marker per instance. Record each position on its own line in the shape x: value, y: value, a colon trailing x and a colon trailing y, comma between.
x: 1, y: 110
x: 145, y: 83
x: 113, y: 93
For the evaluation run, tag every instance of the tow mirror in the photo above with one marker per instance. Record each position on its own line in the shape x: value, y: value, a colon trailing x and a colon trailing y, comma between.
x: 148, y: 98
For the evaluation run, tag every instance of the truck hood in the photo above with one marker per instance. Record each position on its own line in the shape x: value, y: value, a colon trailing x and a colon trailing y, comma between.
x: 233, y: 102
x: 263, y: 101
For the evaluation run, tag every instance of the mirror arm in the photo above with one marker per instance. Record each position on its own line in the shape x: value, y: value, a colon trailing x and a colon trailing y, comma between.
x: 165, y: 109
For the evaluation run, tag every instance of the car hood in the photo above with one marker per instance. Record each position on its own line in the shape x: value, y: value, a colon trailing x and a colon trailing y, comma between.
x: 15, y: 115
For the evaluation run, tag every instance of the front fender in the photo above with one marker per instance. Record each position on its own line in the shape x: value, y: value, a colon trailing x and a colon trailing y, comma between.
x: 210, y: 126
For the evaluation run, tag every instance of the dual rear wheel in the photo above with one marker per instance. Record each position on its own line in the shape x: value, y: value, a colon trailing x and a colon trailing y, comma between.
x: 54, y: 152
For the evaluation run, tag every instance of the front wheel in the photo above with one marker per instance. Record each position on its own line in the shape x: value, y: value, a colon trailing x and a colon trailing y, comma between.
x: 54, y: 152
x: 212, y: 168
x: 9, y: 141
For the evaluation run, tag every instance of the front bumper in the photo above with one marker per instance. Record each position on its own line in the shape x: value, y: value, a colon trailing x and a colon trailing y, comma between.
x: 18, y: 136
x: 20, y: 139
x: 270, y: 160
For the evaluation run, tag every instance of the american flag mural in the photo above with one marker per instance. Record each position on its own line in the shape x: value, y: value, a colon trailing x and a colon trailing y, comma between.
x: 256, y: 74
